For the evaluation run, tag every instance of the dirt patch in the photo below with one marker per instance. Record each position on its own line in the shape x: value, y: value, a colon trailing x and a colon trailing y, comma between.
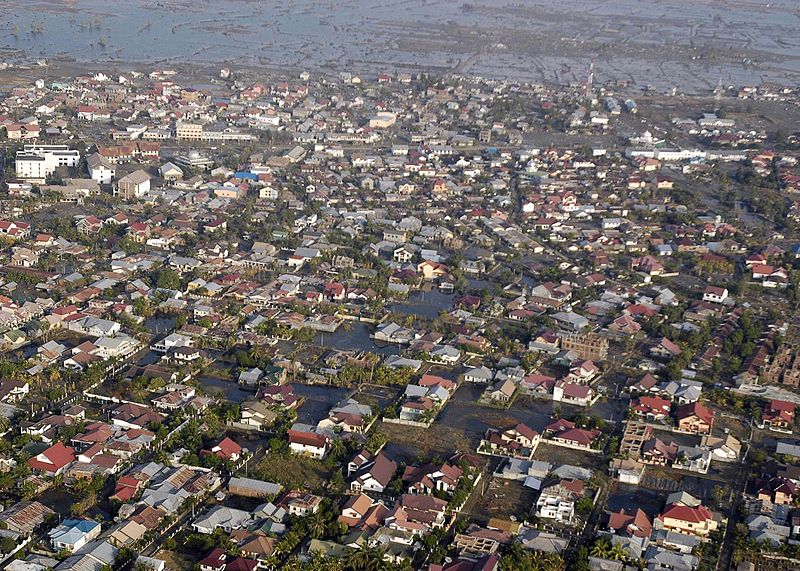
x: 504, y: 499
x: 173, y: 560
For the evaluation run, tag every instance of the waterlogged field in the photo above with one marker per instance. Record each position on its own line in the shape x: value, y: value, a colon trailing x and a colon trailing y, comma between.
x: 665, y: 43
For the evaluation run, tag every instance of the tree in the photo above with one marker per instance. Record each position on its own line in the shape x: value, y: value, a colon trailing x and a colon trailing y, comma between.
x: 617, y: 553
x: 517, y: 558
x: 317, y: 525
x: 601, y: 548
x: 168, y: 279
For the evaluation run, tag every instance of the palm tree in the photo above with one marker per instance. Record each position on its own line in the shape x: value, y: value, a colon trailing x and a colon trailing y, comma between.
x: 338, y: 448
x: 601, y: 548
x: 617, y: 553
x: 367, y: 559
x: 317, y: 525
x: 256, y: 353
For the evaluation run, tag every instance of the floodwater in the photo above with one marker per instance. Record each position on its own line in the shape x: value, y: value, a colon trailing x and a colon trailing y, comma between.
x: 230, y: 389
x: 427, y: 304
x: 318, y: 401
x: 664, y: 43
x: 354, y: 336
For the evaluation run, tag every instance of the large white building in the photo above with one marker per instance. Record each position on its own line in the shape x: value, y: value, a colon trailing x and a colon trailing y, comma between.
x: 37, y: 162
x: 101, y: 169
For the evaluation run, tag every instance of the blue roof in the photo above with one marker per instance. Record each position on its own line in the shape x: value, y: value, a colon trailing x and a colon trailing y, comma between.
x: 245, y: 175
x: 84, y: 525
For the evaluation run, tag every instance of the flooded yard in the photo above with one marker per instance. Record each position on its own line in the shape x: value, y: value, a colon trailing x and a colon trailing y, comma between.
x: 318, y: 400
x: 228, y: 389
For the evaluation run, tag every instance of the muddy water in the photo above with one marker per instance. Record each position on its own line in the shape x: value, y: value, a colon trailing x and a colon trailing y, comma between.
x: 663, y: 43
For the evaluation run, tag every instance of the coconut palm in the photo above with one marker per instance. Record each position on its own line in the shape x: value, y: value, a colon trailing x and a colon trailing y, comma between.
x: 601, y: 548
x: 317, y: 525
x: 367, y: 559
x: 617, y: 553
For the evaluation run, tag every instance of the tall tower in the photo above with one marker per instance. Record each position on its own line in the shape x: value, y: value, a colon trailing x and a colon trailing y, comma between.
x: 590, y: 80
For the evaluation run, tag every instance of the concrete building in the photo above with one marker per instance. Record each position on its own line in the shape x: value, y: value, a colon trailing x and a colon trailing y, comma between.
x: 37, y: 162
x: 134, y: 185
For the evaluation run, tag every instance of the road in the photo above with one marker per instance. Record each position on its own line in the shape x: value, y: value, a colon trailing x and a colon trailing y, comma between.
x: 737, y: 492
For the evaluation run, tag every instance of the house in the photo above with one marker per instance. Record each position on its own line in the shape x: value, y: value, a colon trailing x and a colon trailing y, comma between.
x: 432, y: 478
x: 575, y: 437
x: 501, y: 392
x: 695, y: 418
x: 489, y: 562
x: 218, y: 560
x: 308, y: 443
x: 300, y: 503
x: 374, y: 476
x: 636, y: 524
x: 170, y: 172
x: 714, y: 294
x: 134, y: 185
x: 693, y: 459
x: 54, y: 460
x: 363, y: 513
x: 727, y: 449
x: 89, y: 225
x: 778, y: 490
x: 13, y: 391
x: 653, y: 409
x: 573, y: 393
x: 693, y: 520
x: 517, y: 441
x: 132, y: 415
x: 480, y: 375
x: 281, y: 396
x: 257, y: 414
x: 656, y: 452
x: 24, y: 517
x: 214, y: 561
x: 226, y: 449
x: 222, y: 517
x: 665, y: 349
x: 557, y: 501
x: 779, y: 415
x: 73, y: 534
x: 100, y: 168
x: 417, y: 514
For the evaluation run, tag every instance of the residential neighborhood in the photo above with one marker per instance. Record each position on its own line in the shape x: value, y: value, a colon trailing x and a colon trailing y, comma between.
x: 409, y: 321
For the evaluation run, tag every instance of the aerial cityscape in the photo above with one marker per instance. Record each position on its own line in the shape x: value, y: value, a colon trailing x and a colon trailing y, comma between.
x: 366, y: 285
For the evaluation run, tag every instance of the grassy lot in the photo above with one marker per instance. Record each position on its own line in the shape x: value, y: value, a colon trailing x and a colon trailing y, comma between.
x: 408, y: 442
x: 292, y: 471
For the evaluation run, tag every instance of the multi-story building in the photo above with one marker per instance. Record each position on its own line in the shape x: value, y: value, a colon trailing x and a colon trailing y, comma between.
x: 588, y: 346
x: 37, y: 162
x: 189, y: 131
